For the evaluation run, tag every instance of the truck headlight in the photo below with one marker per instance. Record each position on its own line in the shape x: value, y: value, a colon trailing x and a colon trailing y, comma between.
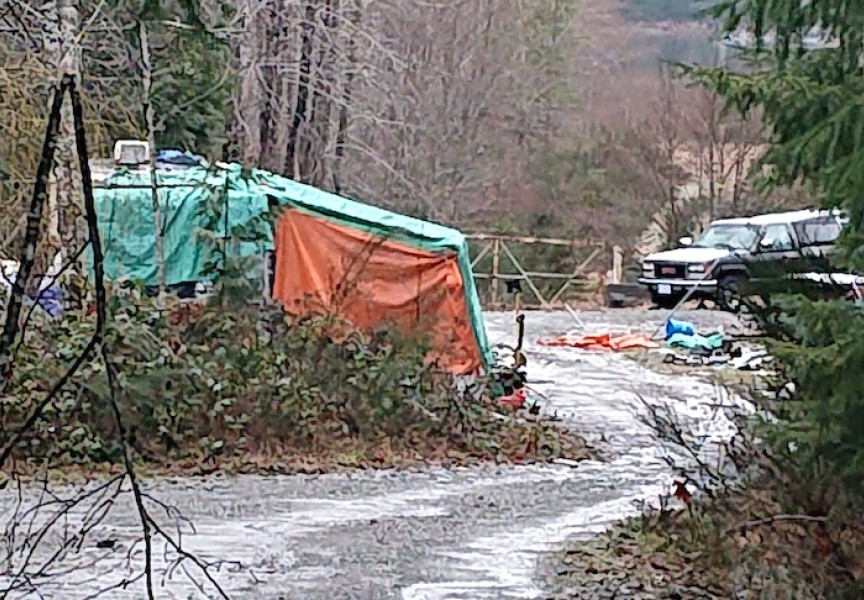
x: 697, y: 271
x: 647, y: 267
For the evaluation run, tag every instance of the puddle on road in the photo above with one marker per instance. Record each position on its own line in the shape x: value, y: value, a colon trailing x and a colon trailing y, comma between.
x: 508, y: 560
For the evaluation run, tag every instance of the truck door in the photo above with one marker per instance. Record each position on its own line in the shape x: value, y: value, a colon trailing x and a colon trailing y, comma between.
x: 777, y: 250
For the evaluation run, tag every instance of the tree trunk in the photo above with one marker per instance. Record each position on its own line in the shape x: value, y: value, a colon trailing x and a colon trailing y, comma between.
x: 150, y: 128
x: 68, y: 189
x: 250, y: 103
x: 301, y: 107
x: 324, y: 81
x: 66, y: 231
x: 345, y: 109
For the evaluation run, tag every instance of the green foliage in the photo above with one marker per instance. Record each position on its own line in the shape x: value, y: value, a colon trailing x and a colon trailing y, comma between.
x: 237, y: 275
x: 191, y: 91
x: 820, y: 345
x: 192, y: 75
x: 812, y: 102
x: 250, y: 383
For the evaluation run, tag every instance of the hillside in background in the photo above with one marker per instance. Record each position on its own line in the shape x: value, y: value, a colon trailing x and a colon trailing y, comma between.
x: 619, y: 172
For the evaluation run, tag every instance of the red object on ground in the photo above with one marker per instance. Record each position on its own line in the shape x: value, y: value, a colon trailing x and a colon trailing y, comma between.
x: 515, y: 400
x: 604, y: 341
x: 681, y: 492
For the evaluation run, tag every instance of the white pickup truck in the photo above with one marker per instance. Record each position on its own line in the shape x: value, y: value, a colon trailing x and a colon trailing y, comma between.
x: 714, y: 265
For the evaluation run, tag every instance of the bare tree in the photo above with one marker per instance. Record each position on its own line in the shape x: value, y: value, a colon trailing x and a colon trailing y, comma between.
x: 64, y: 56
x: 724, y: 146
x: 381, y: 101
x: 655, y: 149
x: 474, y: 99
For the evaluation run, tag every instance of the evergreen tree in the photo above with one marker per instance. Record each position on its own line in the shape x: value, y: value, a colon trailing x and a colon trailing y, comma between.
x: 813, y: 103
x: 192, y: 75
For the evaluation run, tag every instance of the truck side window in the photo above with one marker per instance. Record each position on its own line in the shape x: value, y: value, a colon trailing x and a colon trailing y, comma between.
x: 776, y: 239
x: 818, y: 232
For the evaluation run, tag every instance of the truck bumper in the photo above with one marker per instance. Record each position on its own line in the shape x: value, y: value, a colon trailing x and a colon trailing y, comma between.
x: 669, y: 287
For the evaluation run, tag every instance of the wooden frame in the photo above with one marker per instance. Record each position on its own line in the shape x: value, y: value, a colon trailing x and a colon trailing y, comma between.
x: 498, y: 244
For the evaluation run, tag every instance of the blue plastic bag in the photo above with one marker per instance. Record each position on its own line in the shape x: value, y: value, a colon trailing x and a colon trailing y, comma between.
x: 51, y: 300
x: 682, y: 327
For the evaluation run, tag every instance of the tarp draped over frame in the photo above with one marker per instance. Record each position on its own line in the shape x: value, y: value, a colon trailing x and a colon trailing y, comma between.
x: 371, y: 281
x: 126, y: 224
x: 413, y: 271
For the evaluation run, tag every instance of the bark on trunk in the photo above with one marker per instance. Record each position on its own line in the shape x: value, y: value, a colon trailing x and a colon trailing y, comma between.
x: 250, y: 103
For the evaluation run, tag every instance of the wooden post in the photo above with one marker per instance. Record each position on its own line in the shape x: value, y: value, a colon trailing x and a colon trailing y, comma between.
x: 496, y: 255
x: 617, y: 264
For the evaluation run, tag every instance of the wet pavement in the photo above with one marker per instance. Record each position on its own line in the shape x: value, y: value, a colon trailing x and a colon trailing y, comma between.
x: 458, y: 534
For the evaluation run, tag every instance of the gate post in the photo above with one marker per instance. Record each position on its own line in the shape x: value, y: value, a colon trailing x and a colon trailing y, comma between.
x: 496, y: 253
x: 617, y: 264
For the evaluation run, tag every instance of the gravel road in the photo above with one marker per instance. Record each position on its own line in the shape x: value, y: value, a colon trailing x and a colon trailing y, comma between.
x: 458, y: 534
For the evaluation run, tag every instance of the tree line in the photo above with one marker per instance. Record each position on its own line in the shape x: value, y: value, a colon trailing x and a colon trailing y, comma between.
x: 483, y: 114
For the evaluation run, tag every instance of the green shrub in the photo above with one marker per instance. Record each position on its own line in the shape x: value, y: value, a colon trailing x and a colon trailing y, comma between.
x: 230, y: 384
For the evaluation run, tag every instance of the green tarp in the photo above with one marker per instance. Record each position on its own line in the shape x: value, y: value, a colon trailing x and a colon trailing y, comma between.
x: 189, y: 198
x: 190, y: 207
x: 696, y: 341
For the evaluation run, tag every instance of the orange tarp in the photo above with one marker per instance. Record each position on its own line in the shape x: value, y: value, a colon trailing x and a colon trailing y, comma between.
x: 604, y: 341
x: 323, y: 266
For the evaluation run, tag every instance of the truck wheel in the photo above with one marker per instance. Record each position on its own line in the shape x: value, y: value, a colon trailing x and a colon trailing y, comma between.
x: 729, y: 294
x: 668, y: 302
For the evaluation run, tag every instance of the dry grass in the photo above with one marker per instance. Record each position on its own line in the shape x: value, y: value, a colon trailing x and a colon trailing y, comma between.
x: 743, y: 542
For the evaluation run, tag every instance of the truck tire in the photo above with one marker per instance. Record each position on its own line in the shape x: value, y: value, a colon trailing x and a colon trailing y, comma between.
x: 729, y: 293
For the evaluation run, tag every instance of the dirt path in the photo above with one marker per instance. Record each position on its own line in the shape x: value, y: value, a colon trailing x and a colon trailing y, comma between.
x: 460, y: 534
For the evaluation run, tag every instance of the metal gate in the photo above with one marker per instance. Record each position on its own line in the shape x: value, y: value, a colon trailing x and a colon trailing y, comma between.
x: 501, y: 258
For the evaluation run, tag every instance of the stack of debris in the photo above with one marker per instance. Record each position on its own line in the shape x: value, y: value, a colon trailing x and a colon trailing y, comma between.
x: 686, y: 346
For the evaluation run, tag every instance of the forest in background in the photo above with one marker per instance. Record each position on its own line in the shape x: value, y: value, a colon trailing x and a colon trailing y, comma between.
x: 551, y: 117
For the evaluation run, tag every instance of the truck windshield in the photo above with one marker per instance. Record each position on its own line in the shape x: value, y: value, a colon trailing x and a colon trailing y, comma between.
x: 731, y: 237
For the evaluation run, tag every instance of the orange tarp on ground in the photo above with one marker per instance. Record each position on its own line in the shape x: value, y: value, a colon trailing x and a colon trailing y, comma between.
x: 604, y: 341
x: 323, y: 266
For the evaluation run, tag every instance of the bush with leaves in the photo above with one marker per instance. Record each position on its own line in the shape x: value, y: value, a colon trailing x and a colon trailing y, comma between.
x: 250, y: 386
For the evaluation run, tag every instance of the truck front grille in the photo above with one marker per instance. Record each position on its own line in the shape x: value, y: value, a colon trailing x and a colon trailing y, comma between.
x: 670, y: 271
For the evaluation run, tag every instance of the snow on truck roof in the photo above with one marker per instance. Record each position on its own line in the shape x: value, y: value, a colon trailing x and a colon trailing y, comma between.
x: 775, y: 218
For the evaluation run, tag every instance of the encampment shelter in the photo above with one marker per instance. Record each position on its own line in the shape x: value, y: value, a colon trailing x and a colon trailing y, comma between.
x: 373, y: 267
x: 199, y: 207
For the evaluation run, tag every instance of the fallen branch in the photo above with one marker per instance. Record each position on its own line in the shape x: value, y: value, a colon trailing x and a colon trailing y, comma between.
x: 776, y: 519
